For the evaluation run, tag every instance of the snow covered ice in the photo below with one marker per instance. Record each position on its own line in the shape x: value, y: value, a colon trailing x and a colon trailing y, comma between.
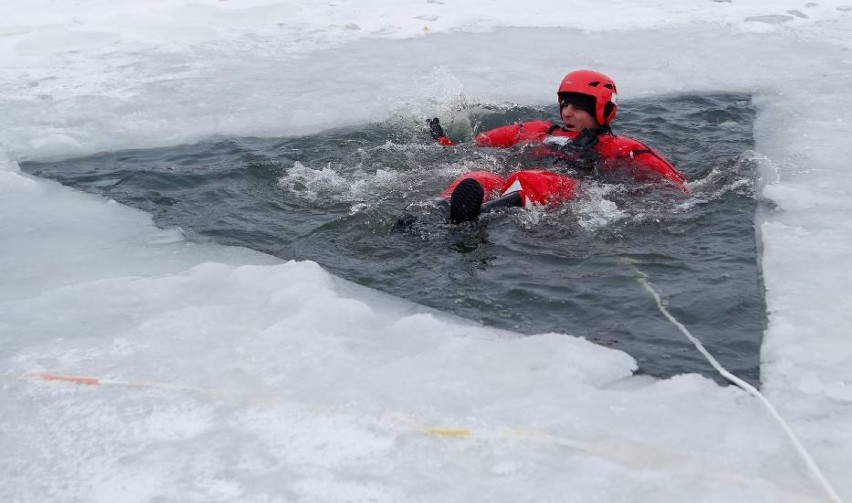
x: 231, y: 376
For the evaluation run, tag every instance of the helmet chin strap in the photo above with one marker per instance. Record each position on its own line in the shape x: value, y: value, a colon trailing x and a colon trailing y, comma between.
x: 581, y: 148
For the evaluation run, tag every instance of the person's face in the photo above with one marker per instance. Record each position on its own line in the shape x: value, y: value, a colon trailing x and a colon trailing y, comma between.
x: 576, y: 119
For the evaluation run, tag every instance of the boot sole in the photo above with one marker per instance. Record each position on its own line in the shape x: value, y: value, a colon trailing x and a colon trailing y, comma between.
x: 466, y: 201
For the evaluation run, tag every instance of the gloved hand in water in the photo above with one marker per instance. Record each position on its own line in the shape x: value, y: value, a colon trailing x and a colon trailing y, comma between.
x: 435, y: 128
x: 437, y: 132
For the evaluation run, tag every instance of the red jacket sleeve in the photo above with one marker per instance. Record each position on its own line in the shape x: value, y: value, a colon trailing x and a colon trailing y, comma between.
x: 508, y: 136
x: 627, y: 156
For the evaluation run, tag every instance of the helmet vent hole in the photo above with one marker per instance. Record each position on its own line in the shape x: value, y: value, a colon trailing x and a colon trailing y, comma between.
x: 594, y: 84
x: 608, y: 86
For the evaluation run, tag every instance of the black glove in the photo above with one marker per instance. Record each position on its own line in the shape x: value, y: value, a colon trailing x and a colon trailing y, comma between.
x: 435, y: 128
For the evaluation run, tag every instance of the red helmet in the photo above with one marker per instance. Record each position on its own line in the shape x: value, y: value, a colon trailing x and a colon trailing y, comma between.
x: 598, y: 86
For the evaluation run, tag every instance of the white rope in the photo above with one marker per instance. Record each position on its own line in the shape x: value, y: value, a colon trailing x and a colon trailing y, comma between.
x: 800, y: 449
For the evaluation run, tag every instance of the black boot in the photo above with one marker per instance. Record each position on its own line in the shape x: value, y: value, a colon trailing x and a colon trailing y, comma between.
x: 506, y: 201
x: 466, y: 201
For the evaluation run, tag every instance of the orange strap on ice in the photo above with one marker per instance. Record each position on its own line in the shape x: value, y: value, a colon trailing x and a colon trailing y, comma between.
x: 440, y: 431
x: 94, y: 381
x: 88, y: 381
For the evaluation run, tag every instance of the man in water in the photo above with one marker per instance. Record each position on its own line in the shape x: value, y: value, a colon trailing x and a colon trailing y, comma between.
x: 583, y: 142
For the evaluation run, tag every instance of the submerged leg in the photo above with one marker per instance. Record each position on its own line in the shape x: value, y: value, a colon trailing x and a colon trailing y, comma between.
x: 440, y: 209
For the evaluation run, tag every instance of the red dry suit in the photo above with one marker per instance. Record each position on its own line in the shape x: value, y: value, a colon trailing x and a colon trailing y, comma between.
x: 610, y: 154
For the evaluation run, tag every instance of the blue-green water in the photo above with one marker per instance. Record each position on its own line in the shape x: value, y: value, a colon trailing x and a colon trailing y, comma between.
x: 335, y: 198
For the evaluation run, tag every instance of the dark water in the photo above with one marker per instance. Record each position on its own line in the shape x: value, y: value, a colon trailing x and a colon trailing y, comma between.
x: 335, y: 197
